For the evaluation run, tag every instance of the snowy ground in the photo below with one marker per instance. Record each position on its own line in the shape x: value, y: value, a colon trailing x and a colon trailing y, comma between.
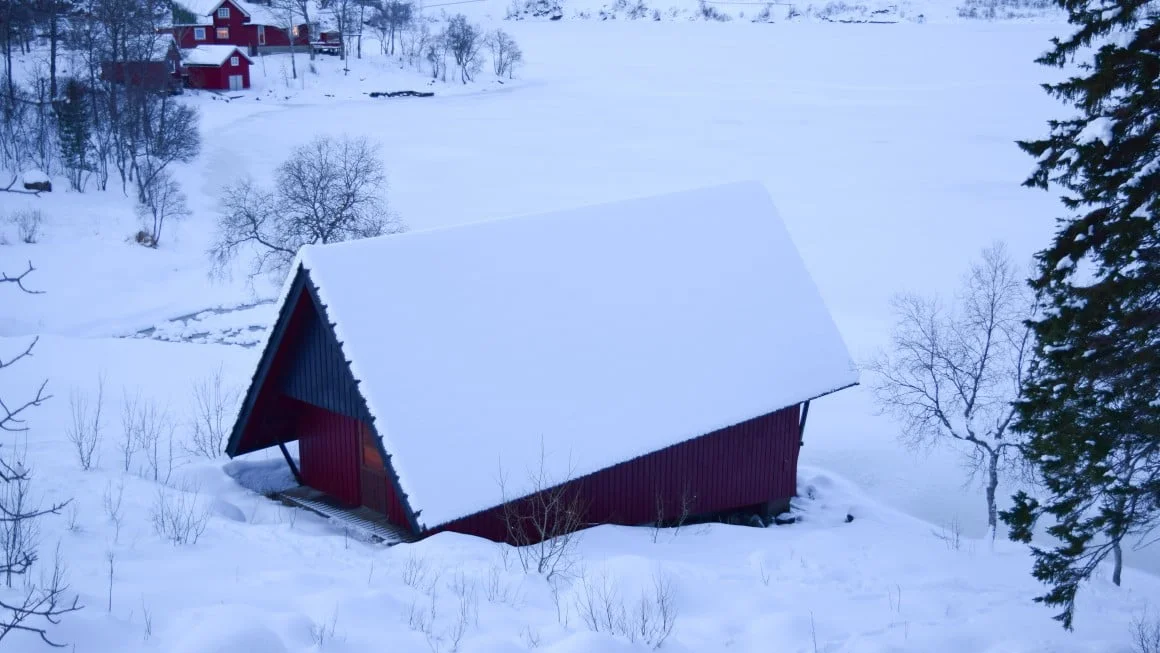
x: 889, y: 150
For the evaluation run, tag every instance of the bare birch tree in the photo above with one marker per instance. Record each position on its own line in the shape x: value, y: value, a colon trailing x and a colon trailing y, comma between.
x: 952, y: 373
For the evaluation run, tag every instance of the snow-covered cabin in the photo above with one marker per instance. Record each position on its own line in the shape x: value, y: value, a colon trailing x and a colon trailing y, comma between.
x: 653, y: 357
x: 216, y: 67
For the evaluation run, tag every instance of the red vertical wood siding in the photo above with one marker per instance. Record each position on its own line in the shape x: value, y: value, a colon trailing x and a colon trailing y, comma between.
x: 743, y: 465
x: 218, y: 77
x: 378, y: 492
x: 328, y: 452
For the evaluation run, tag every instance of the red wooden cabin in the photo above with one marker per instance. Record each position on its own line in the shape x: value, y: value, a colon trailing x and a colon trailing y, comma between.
x: 251, y: 26
x: 216, y: 67
x: 153, y: 64
x: 651, y: 358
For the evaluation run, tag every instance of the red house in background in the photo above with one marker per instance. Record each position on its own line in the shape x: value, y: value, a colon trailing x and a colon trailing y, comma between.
x: 216, y: 67
x: 256, y: 28
x: 649, y: 359
x: 154, y: 64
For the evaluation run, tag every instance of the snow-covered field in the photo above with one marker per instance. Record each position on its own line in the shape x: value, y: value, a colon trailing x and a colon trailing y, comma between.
x: 889, y: 151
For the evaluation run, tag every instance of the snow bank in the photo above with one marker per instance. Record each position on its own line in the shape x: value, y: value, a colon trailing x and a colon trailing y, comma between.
x: 602, y: 333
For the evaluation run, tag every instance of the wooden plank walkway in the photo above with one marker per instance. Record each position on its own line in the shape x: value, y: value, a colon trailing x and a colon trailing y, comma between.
x: 361, y: 519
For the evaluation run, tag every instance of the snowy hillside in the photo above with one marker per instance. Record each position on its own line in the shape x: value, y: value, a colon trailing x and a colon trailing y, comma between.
x: 889, y: 152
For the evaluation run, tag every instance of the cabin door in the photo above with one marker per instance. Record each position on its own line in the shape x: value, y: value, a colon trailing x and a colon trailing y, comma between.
x: 235, y: 82
x: 372, y: 473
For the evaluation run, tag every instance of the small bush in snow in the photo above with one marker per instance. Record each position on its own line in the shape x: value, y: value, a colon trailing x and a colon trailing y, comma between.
x: 649, y: 620
x: 545, y: 524
x: 214, y: 404
x: 85, y: 429
x: 179, y: 514
x: 709, y: 12
x: 146, y: 425
x: 1145, y: 632
x: 28, y: 223
x: 161, y: 201
x: 638, y: 10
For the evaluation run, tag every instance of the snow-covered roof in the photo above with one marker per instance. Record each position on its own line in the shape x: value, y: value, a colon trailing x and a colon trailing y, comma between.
x: 259, y: 14
x: 210, y: 55
x: 604, y: 333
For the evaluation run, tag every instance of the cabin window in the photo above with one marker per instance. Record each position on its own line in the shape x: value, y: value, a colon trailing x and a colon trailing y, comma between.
x: 224, y: 12
x: 261, y: 35
x: 233, y: 61
x: 223, y: 33
x: 294, y: 30
x: 199, y: 34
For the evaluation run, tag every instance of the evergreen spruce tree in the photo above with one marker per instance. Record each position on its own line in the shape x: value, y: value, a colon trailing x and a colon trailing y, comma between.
x: 74, y: 126
x: 1091, y: 409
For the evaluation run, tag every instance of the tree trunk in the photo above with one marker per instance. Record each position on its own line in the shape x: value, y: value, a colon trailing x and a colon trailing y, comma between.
x: 309, y: 36
x: 361, y: 22
x: 53, y: 37
x: 11, y: 90
x: 293, y: 63
x: 992, y: 487
x: 1118, y: 562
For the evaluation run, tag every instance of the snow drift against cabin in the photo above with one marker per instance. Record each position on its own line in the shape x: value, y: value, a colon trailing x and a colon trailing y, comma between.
x: 602, y: 333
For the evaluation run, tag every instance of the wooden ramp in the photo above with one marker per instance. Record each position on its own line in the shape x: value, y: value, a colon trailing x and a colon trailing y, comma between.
x: 360, y: 519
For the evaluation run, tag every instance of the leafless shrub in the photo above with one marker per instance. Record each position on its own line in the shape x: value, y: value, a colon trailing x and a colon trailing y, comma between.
x: 323, y: 633
x: 951, y: 535
x: 112, y: 502
x: 505, y: 53
x: 544, y: 526
x: 415, y: 39
x: 467, y: 610
x: 531, y: 637
x: 150, y: 424
x: 435, y: 53
x: 328, y: 190
x: 764, y: 574
x: 85, y: 429
x: 161, y: 201
x: 28, y: 224
x: 665, y: 519
x: 951, y: 376
x: 415, y: 571
x: 179, y: 514
x: 1145, y: 633
x: 73, y: 517
x: 291, y: 513
x: 147, y: 615
x: 130, y: 407
x: 563, y: 609
x: 649, y: 621
x: 419, y: 618
x: 214, y: 404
